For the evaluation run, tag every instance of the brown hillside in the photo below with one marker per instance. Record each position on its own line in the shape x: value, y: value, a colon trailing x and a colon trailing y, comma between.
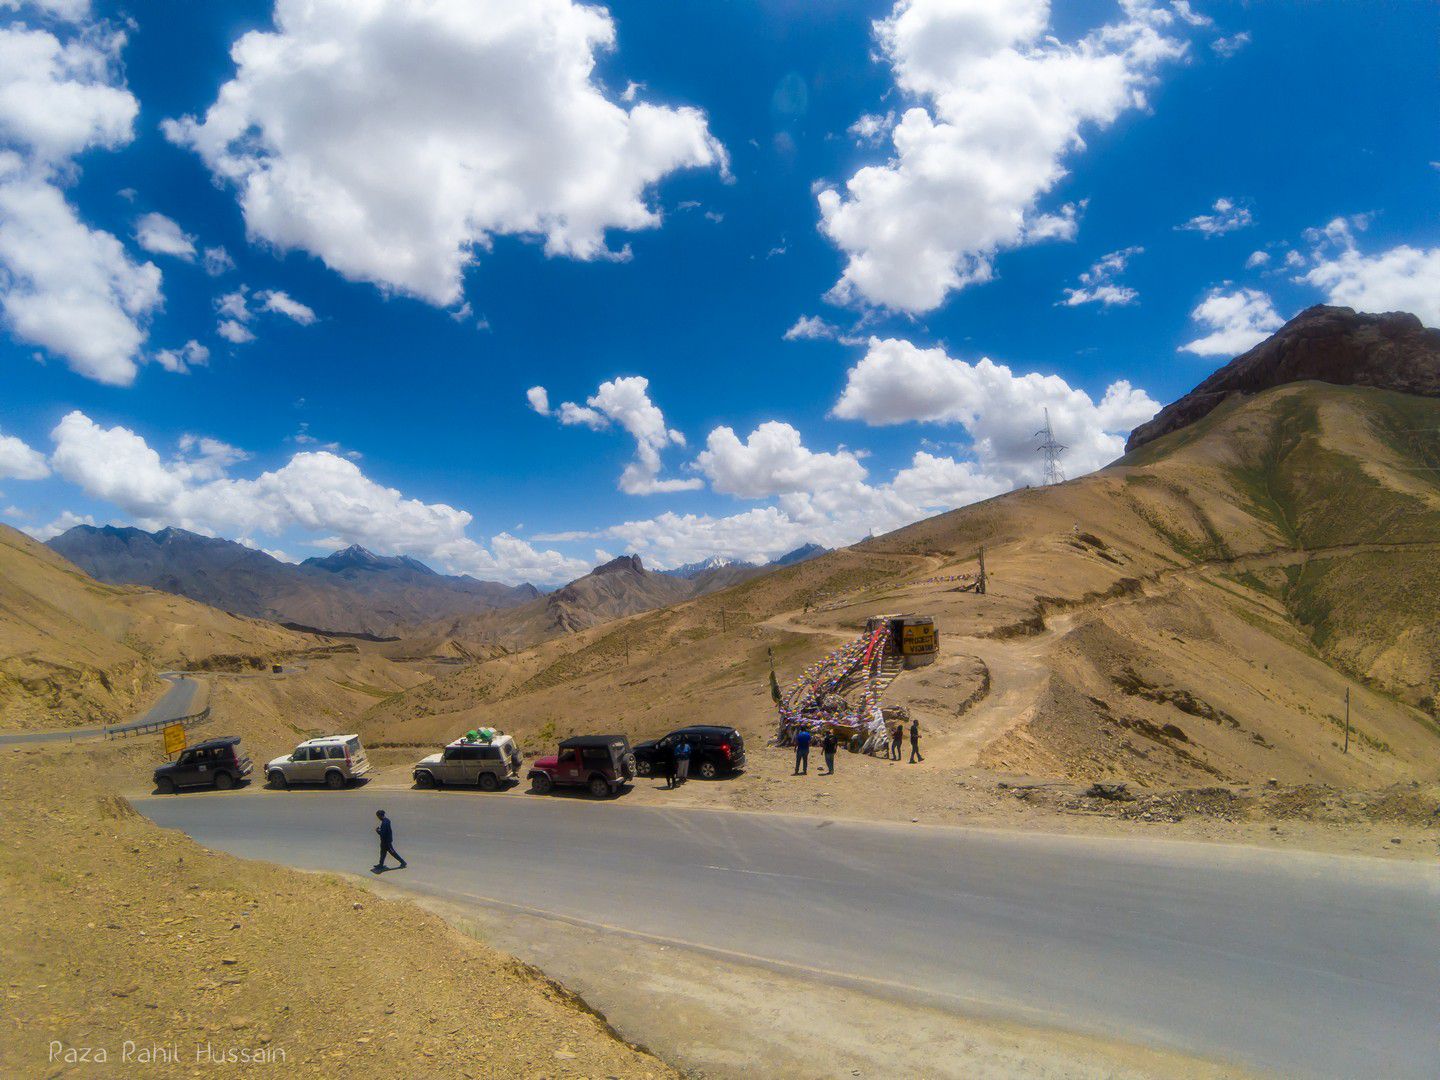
x: 1192, y: 614
x: 1326, y: 344
x: 74, y: 651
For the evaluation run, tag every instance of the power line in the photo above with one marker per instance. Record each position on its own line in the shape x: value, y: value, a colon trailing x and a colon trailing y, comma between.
x: 1052, y: 451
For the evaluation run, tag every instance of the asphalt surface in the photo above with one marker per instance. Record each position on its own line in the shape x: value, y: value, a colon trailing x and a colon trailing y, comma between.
x: 1307, y: 965
x: 173, y: 704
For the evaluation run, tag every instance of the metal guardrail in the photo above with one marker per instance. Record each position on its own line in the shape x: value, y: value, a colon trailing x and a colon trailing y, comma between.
x: 152, y: 726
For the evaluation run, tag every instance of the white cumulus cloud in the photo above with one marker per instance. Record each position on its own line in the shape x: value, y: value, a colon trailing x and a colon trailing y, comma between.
x: 1226, y: 216
x: 69, y: 288
x: 64, y: 286
x: 1098, y: 285
x: 772, y: 461
x: 284, y: 304
x: 625, y: 402
x: 160, y: 235
x: 1238, y: 320
x: 1403, y: 278
x: 394, y: 140
x: 19, y: 462
x: 1000, y: 104
x: 897, y: 382
x: 190, y: 355
x: 316, y: 492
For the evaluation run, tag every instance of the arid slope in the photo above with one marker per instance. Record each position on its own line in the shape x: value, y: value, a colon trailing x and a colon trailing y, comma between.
x: 74, y: 651
x: 1192, y: 614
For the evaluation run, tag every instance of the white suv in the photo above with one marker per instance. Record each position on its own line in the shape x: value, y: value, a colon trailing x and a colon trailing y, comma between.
x: 333, y: 760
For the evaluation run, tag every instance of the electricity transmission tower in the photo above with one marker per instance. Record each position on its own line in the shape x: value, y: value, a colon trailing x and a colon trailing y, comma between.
x: 1051, y: 451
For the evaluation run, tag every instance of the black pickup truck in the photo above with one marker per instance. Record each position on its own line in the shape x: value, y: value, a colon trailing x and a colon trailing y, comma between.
x: 217, y: 763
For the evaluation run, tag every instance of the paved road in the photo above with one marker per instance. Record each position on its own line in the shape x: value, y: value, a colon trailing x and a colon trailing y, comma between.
x: 176, y: 702
x: 1307, y: 965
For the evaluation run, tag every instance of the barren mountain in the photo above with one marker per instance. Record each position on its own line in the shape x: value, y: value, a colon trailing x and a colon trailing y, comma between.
x: 74, y: 650
x: 352, y: 591
x: 1192, y: 614
x: 1328, y: 344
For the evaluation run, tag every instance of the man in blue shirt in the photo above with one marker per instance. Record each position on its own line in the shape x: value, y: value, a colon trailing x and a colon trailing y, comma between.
x: 386, y: 832
x: 682, y: 762
x: 802, y: 752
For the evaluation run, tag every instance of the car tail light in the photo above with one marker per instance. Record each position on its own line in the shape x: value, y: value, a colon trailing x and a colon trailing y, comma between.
x: 725, y: 749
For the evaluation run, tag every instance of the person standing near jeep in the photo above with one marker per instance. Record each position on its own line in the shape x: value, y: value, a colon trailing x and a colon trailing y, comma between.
x: 386, y: 832
x: 682, y: 761
x: 828, y: 744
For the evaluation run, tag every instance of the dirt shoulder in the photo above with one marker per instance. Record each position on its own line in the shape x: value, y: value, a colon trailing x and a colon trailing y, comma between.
x: 133, y: 941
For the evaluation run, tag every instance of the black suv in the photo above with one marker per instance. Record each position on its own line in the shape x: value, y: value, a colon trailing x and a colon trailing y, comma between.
x: 214, y: 763
x: 714, y: 751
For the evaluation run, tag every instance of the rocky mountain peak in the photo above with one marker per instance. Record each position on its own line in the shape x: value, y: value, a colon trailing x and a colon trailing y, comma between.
x: 1391, y: 351
x: 621, y: 564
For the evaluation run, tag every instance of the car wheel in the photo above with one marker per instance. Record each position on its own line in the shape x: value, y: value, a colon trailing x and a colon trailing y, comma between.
x: 424, y: 779
x: 224, y: 781
x: 643, y: 767
x: 600, y: 787
x: 334, y: 779
x: 488, y: 782
x: 541, y: 784
x: 165, y: 786
x: 276, y: 779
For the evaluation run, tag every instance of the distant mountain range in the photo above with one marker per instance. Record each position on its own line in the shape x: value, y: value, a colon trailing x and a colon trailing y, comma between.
x: 352, y: 591
x: 355, y: 591
x: 691, y: 571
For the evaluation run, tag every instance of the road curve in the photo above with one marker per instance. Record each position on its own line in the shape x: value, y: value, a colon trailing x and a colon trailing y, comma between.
x: 1304, y: 964
x: 176, y: 702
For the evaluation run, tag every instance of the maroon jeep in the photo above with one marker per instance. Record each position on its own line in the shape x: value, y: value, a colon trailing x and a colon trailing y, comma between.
x: 602, y: 763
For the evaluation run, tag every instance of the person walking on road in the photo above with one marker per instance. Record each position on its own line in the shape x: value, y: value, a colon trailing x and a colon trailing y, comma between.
x: 895, y: 738
x: 828, y: 744
x: 802, y: 752
x: 682, y: 762
x: 915, y: 754
x: 386, y: 832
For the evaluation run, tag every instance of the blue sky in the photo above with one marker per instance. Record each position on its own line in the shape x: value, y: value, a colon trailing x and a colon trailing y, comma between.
x: 805, y: 226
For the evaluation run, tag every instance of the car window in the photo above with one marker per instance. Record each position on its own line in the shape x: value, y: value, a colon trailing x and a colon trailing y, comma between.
x: 353, y: 745
x: 597, y: 757
x: 567, y: 756
x: 336, y: 751
x: 187, y: 758
x: 489, y: 753
x: 302, y: 753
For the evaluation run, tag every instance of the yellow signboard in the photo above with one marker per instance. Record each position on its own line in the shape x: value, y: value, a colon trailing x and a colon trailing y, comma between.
x: 917, y: 639
x: 174, y: 738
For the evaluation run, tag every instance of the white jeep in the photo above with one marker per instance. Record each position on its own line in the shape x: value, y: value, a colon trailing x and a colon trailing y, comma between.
x: 332, y: 760
x: 481, y: 763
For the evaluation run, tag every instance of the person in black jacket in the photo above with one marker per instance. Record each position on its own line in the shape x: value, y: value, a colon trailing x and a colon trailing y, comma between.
x: 828, y: 744
x: 386, y: 832
x: 915, y: 754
